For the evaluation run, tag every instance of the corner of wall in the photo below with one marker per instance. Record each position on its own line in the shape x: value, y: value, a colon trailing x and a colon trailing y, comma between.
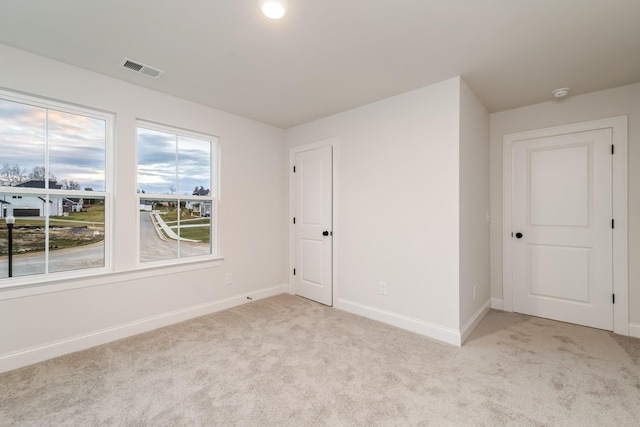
x: 474, y: 286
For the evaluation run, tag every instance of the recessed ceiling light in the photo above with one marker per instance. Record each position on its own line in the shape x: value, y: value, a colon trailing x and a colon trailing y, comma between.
x: 273, y: 9
x: 561, y: 93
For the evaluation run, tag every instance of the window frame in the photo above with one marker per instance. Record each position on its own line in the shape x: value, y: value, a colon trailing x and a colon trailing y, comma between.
x: 107, y: 194
x: 214, y: 195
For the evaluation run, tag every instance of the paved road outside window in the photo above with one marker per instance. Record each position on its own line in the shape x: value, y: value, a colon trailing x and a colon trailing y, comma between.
x: 153, y: 247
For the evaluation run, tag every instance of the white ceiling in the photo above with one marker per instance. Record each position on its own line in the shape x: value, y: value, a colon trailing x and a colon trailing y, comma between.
x: 327, y: 56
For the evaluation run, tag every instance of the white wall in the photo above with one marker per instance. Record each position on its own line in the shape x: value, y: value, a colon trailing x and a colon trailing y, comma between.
x: 597, y: 105
x: 398, y: 207
x: 252, y: 205
x: 474, y: 207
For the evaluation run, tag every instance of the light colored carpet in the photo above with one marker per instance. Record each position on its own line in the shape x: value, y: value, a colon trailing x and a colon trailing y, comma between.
x: 286, y: 361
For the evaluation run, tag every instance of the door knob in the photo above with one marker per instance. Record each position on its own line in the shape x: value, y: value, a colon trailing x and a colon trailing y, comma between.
x: 519, y: 235
x: 325, y: 233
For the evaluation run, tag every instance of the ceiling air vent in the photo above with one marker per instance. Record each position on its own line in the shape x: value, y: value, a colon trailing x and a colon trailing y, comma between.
x: 141, y: 68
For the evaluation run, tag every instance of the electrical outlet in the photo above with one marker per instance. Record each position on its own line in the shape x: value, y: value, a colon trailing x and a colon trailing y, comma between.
x: 383, y: 288
x: 228, y: 279
x: 474, y: 292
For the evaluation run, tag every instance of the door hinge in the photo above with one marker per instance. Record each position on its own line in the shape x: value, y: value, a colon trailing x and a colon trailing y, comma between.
x: 613, y: 298
x: 294, y: 271
x: 612, y: 149
x: 613, y: 223
x: 294, y: 169
x: 294, y: 219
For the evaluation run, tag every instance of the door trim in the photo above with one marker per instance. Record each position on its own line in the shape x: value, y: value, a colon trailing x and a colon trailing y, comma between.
x: 334, y: 143
x: 619, y: 203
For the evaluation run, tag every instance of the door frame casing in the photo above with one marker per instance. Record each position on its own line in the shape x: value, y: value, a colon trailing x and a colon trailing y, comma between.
x: 334, y: 143
x: 618, y: 125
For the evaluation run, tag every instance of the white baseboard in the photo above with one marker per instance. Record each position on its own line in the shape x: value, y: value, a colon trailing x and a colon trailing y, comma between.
x: 634, y: 330
x: 437, y: 332
x: 58, y: 348
x: 497, y: 304
x: 474, y: 320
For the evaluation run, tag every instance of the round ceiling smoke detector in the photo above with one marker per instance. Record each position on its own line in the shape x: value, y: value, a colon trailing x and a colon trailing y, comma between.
x: 561, y: 93
x: 274, y: 9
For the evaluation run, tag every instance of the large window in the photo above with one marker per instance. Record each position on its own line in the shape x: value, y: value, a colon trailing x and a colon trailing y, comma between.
x: 53, y: 187
x: 176, y: 193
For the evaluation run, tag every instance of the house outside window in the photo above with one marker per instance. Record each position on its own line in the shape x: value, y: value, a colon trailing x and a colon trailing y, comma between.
x: 53, y: 181
x: 177, y: 194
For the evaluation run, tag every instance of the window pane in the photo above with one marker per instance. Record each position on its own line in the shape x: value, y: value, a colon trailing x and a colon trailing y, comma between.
x: 162, y: 233
x: 28, y: 236
x: 22, y: 142
x: 76, y: 234
x: 156, y: 162
x: 194, y: 166
x: 195, y: 234
x: 77, y: 151
x: 158, y: 240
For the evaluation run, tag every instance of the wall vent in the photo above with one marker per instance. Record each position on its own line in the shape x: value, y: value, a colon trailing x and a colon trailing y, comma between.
x: 139, y: 67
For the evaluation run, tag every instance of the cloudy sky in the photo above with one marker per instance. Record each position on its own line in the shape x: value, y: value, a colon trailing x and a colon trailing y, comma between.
x: 170, y: 164
x: 167, y: 164
x: 76, y: 143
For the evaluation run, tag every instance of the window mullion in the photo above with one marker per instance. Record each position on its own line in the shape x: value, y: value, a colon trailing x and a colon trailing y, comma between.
x: 46, y: 213
x: 178, y: 199
x: 45, y: 210
x: 46, y: 149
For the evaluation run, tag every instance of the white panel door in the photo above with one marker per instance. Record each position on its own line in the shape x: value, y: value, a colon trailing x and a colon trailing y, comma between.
x: 562, y: 228
x: 313, y: 232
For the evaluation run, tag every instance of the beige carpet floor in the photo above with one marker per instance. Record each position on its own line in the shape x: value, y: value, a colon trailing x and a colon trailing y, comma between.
x: 286, y: 361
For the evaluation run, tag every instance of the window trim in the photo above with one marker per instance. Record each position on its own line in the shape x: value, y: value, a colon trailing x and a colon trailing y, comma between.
x: 52, y: 285
x: 214, y: 197
x: 109, y: 118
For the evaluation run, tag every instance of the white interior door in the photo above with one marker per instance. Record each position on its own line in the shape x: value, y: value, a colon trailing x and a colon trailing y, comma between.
x: 313, y: 232
x: 562, y: 228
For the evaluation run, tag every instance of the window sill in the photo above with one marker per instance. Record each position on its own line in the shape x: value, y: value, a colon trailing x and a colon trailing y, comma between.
x: 29, y: 286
